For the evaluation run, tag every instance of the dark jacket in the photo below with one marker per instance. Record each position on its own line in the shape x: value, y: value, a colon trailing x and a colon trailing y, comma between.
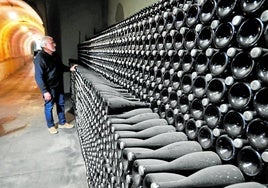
x: 49, y: 71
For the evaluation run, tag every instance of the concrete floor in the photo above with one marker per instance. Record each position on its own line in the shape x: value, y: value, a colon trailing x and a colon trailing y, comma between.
x: 30, y: 156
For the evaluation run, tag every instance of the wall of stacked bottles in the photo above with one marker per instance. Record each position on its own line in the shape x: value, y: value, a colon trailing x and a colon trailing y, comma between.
x: 202, y: 66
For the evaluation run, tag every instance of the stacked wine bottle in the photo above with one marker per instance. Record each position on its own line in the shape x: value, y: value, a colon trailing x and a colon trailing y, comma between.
x: 198, y: 68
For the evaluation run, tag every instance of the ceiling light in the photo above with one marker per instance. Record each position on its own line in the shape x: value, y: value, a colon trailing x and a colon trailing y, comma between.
x: 13, y: 15
x: 24, y: 28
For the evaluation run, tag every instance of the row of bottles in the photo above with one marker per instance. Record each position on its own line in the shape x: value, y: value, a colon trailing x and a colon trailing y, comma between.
x: 201, y: 37
x: 93, y: 101
x: 192, y: 67
x: 141, y: 146
x: 123, y: 148
x: 154, y: 23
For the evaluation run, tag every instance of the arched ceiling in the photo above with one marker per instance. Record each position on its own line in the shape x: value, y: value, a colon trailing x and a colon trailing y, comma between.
x: 21, y: 28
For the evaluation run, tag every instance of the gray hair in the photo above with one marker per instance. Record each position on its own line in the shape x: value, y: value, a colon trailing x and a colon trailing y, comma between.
x: 44, y: 40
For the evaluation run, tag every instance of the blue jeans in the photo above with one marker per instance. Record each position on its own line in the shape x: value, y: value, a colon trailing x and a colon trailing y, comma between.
x: 58, y: 99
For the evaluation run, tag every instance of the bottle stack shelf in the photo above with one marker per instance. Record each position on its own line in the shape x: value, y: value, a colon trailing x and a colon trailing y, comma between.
x: 197, y: 68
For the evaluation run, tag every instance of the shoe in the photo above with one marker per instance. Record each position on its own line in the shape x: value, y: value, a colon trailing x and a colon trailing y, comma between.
x: 66, y: 126
x: 53, y: 130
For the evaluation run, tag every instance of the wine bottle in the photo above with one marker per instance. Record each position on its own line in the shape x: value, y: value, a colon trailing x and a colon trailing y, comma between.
x: 160, y: 177
x: 146, y: 133
x: 205, y: 137
x: 162, y: 109
x: 219, y: 63
x: 234, y: 123
x: 146, y: 162
x: 195, y: 52
x: 249, y: 161
x: 170, y: 19
x: 134, y: 119
x: 199, y: 86
x: 249, y: 7
x: 180, y: 16
x: 256, y: 133
x: 153, y: 41
x: 184, y: 104
x: 173, y: 99
x: 207, y: 11
x: 256, y: 52
x: 186, y: 83
x: 214, y: 176
x: 216, y: 90
x: 138, y: 126
x: 212, y: 115
x: 261, y: 68
x: 191, y: 129
x: 160, y: 42
x: 190, y: 39
x: 164, y: 95
x: 243, y: 70
x: 187, y: 62
x: 225, y: 148
x: 136, y: 177
x: 197, y: 109
x: 185, y: 164
x: 201, y: 63
x: 170, y: 115
x: 160, y: 22
x: 168, y: 41
x: 226, y: 9
x: 154, y: 142
x: 192, y: 15
x: 119, y: 105
x: 224, y: 34
x: 168, y: 152
x: 247, y: 39
x: 218, y: 132
x: 131, y: 113
x: 106, y: 87
x: 175, y: 82
x: 127, y: 181
x: 204, y: 38
x: 260, y: 102
x: 178, y: 41
x: 240, y: 142
x: 246, y: 185
x: 264, y: 156
x: 127, y: 164
x: 179, y: 122
x: 166, y: 78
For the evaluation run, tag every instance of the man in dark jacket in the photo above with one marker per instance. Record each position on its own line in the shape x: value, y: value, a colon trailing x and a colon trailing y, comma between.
x: 49, y: 78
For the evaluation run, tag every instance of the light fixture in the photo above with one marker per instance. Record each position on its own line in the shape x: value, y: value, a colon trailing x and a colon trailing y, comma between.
x: 13, y: 15
x: 24, y: 28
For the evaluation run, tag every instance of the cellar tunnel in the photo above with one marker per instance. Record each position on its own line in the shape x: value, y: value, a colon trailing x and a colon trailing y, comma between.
x: 21, y: 28
x: 173, y: 87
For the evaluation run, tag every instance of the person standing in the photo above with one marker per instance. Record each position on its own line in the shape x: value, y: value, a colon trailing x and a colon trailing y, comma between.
x: 49, y: 71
